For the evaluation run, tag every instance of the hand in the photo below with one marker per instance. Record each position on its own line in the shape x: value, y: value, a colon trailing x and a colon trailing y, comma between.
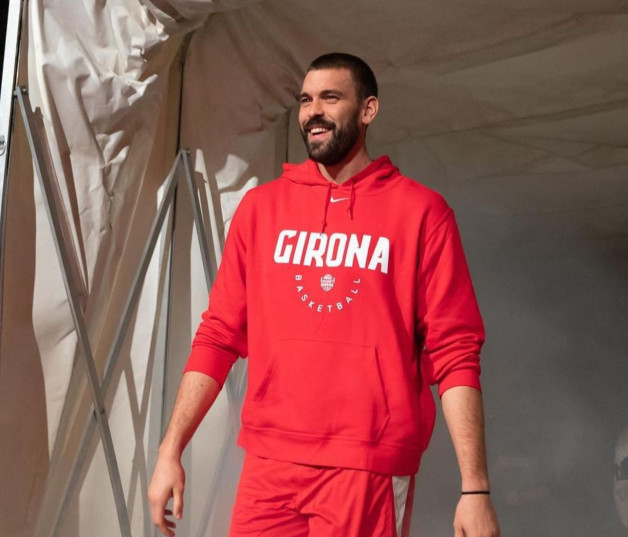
x: 475, y: 517
x: 168, y: 482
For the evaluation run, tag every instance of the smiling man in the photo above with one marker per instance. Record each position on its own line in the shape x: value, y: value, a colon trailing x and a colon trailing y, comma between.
x: 371, y: 302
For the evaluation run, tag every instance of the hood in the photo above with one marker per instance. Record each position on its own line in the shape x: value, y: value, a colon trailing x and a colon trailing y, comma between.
x: 378, y: 175
x: 375, y: 176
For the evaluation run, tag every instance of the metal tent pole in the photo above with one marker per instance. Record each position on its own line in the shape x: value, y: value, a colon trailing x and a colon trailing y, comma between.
x: 43, y: 174
x: 9, y: 76
x: 203, y: 243
x: 120, y: 335
x: 204, y: 247
x: 182, y: 163
x: 158, y: 384
x: 231, y: 385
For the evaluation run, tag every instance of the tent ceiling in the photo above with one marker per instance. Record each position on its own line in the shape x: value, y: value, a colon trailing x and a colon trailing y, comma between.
x: 496, y: 95
x: 453, y: 66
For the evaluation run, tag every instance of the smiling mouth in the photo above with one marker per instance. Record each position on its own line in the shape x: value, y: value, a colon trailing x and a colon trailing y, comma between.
x: 316, y: 127
x: 318, y: 132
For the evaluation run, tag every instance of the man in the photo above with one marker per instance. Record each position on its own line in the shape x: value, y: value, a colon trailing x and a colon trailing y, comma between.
x: 345, y: 284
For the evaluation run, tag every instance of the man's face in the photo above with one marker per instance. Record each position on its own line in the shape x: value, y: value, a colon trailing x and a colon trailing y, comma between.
x: 329, y: 115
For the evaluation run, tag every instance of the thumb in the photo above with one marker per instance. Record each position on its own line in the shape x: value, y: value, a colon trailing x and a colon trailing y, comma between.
x: 177, y: 505
x: 458, y: 527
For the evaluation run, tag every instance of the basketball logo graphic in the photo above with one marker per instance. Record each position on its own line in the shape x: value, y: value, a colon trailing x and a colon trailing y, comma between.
x: 334, y: 301
x: 327, y: 282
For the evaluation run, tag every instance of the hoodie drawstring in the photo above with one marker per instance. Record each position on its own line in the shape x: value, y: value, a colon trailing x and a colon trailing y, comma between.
x: 327, y: 200
x: 351, y: 199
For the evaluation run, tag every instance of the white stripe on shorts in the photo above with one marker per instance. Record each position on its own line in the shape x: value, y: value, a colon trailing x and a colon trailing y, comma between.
x: 403, y: 489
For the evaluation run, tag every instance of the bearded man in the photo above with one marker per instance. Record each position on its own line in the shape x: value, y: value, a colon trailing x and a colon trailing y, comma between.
x: 371, y: 304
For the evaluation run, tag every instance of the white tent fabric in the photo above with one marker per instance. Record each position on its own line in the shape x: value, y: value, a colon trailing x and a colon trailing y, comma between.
x: 517, y: 113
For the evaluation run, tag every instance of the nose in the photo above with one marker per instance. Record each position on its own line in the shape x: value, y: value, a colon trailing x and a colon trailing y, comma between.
x: 315, y: 108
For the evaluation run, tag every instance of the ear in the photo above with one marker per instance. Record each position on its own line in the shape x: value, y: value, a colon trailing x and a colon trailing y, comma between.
x: 370, y: 106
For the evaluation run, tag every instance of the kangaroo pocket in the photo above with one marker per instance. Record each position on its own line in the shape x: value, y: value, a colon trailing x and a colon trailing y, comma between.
x: 321, y: 388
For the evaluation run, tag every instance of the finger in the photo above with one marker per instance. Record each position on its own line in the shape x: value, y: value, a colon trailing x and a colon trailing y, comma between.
x: 158, y: 512
x: 168, y: 522
x: 167, y: 526
x: 164, y: 527
x: 177, y: 504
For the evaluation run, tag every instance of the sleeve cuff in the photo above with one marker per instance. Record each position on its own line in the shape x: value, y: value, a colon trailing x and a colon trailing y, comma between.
x: 463, y: 377
x: 214, y: 366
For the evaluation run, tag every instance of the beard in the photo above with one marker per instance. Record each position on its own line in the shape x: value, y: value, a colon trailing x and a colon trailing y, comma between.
x: 338, y: 146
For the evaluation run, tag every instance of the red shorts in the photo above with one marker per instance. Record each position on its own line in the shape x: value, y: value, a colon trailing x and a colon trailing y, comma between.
x: 283, y: 499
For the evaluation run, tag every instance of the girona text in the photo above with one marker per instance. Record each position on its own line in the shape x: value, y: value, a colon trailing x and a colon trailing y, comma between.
x: 321, y: 250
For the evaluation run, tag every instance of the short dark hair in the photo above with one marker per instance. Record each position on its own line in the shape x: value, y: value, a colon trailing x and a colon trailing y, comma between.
x: 363, y: 76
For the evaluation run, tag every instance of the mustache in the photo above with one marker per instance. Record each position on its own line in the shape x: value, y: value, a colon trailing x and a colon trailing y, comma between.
x: 318, y: 122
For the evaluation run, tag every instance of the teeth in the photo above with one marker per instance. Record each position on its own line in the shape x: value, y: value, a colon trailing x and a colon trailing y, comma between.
x: 318, y: 130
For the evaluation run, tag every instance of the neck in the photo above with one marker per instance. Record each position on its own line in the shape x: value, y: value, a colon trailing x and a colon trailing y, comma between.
x: 354, y: 163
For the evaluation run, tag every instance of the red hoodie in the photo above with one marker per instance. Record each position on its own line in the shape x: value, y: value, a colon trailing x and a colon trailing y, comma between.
x: 349, y: 301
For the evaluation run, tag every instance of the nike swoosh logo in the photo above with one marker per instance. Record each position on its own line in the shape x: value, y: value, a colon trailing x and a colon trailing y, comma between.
x: 336, y: 200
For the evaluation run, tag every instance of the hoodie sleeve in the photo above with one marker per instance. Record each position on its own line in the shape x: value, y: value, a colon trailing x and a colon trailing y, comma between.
x: 448, y: 318
x: 222, y: 334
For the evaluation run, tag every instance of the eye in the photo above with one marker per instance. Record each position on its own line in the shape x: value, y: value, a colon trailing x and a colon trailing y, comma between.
x: 304, y: 100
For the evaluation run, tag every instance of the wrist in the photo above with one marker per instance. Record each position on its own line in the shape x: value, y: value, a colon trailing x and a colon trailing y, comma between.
x: 478, y: 483
x: 169, y: 450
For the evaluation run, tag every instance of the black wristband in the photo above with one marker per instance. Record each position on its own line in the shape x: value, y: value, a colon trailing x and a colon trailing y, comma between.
x: 475, y: 492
